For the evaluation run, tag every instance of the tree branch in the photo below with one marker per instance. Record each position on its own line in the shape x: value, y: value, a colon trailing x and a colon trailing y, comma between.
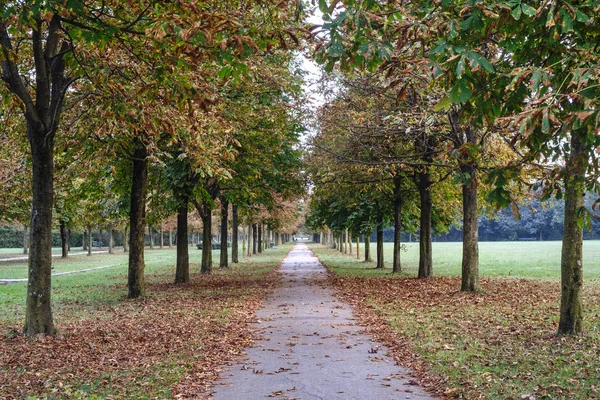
x: 10, y: 74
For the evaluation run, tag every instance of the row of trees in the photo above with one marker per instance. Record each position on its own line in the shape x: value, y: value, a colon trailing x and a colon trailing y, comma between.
x: 127, y: 112
x: 500, y: 96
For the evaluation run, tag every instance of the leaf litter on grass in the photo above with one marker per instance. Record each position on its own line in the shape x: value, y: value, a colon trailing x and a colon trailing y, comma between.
x: 500, y: 343
x: 169, y: 344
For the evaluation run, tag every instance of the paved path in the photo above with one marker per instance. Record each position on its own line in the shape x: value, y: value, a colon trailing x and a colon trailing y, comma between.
x: 312, y: 347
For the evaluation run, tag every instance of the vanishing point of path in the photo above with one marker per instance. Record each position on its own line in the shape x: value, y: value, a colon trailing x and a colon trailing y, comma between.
x: 312, y: 347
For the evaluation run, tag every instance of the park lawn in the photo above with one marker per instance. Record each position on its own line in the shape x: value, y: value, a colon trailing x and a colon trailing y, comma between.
x: 173, y: 341
x: 500, y: 343
x: 18, y: 252
x: 496, y: 259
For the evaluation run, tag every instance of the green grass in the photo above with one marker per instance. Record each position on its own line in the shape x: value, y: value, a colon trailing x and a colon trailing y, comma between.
x: 80, y: 293
x: 496, y: 259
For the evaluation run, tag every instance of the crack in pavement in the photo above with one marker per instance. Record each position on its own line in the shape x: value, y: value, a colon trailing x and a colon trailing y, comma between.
x: 312, y: 341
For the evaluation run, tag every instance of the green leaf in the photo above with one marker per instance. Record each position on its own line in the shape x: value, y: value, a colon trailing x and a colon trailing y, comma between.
x: 486, y: 64
x: 545, y: 122
x: 567, y: 22
x: 528, y: 10
x: 516, y: 12
x: 443, y: 105
x: 536, y: 79
x: 323, y: 7
x: 460, y: 92
x: 581, y: 17
x: 225, y: 72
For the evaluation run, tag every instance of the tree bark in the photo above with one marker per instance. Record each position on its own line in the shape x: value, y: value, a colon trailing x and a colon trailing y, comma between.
x: 137, y: 222
x: 249, y: 240
x: 224, y: 256
x: 64, y: 243
x: 182, y: 269
x: 84, y: 241
x: 254, y: 239
x: 126, y: 240
x: 571, y: 318
x: 380, y: 261
x: 368, y: 247
x: 358, y: 246
x: 170, y: 237
x: 206, y: 215
x: 111, y: 242
x: 425, y: 231
x: 25, y: 240
x: 89, y: 240
x: 38, y: 314
x: 260, y: 238
x: 470, y: 258
x: 234, y: 234
x: 396, y: 264
x: 349, y: 242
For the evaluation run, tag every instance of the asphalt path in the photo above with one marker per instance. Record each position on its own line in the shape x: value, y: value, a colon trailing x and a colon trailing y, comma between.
x: 312, y: 347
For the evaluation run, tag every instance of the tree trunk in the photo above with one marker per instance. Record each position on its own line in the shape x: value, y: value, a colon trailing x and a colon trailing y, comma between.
x: 38, y: 314
x: 171, y: 237
x: 126, y: 240
x: 470, y: 258
x: 249, y: 240
x: 425, y: 234
x: 396, y: 264
x: 25, y: 240
x: 223, y: 261
x: 182, y: 270
x: 260, y: 238
x: 89, y: 240
x: 64, y: 243
x: 206, y: 214
x: 234, y: 234
x: 137, y: 222
x: 162, y: 241
x: 349, y: 242
x: 380, y: 262
x: 368, y: 248
x: 254, y: 238
x: 84, y: 241
x: 111, y: 241
x: 358, y: 246
x: 571, y: 318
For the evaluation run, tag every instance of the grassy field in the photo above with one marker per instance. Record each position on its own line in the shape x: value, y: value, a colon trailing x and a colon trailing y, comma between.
x: 496, y: 259
x: 500, y: 343
x: 170, y: 342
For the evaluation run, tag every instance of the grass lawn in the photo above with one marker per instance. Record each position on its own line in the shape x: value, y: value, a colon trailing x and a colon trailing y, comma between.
x: 496, y: 259
x: 170, y: 342
x: 497, y: 344
x: 18, y: 252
